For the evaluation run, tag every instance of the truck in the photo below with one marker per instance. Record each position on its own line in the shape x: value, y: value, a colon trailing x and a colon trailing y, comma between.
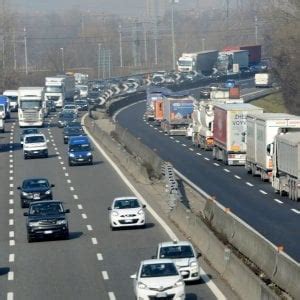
x: 229, y: 132
x: 81, y: 78
x: 2, y: 125
x: 13, y: 99
x: 203, y: 115
x: 261, y: 132
x: 59, y: 88
x: 177, y: 110
x: 286, y: 164
x: 154, y: 102
x: 263, y: 80
x: 254, y: 52
x: 229, y: 60
x: 201, y: 62
x: 30, y: 106
x: 4, y: 107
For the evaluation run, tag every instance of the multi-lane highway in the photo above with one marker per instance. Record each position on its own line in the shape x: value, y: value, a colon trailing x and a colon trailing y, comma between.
x: 95, y: 263
x: 277, y: 218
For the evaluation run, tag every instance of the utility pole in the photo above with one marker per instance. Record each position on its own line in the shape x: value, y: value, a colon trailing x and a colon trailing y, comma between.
x: 173, y: 33
x: 99, y: 53
x: 109, y: 63
x: 15, y: 53
x: 120, y: 44
x: 62, y: 60
x: 145, y: 44
x: 203, y: 44
x: 103, y: 63
x: 134, y: 43
x: 256, y: 30
x: 25, y: 50
x: 155, y: 33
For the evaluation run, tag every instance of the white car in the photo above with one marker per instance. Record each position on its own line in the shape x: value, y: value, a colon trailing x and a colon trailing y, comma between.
x: 71, y: 107
x: 158, y: 279
x: 125, y: 212
x: 183, y: 255
x: 189, y: 131
x: 35, y: 145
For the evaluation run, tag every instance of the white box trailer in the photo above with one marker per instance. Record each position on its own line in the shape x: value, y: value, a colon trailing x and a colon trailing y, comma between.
x: 263, y: 80
x: 286, y: 165
x: 261, y: 132
x: 229, y: 132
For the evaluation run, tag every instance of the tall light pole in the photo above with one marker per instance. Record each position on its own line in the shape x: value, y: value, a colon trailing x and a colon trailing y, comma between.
x: 62, y: 60
x: 99, y: 57
x: 120, y: 44
x: 173, y: 33
x: 203, y: 44
x: 25, y: 50
x: 256, y: 30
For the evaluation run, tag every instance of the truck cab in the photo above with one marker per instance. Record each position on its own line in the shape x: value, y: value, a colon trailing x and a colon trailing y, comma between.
x: 5, y: 107
x: 80, y: 151
x: 13, y: 99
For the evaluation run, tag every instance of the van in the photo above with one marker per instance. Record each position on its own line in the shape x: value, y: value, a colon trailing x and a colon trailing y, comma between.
x: 13, y: 97
x: 80, y: 151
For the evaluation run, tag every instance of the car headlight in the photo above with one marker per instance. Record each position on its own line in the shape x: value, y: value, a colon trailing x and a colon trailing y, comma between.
x: 65, y: 136
x: 194, y: 264
x: 61, y: 222
x: 72, y: 155
x: 114, y: 214
x: 48, y: 192
x: 141, y: 212
x: 33, y: 224
x: 179, y: 283
x: 89, y: 154
x: 25, y: 194
x: 141, y: 285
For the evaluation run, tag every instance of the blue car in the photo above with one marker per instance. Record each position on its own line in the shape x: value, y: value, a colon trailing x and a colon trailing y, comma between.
x: 5, y: 108
x: 230, y: 83
x: 80, y: 151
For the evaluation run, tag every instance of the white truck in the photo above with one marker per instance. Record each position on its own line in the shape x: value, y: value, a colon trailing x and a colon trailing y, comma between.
x: 228, y: 60
x: 30, y: 106
x: 229, y: 132
x: 263, y: 80
x: 81, y: 78
x: 286, y: 164
x: 2, y: 125
x: 201, y: 62
x: 261, y: 132
x: 59, y: 88
x: 13, y: 99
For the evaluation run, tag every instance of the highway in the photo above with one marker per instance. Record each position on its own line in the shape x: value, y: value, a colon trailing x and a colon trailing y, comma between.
x: 254, y: 201
x: 95, y: 263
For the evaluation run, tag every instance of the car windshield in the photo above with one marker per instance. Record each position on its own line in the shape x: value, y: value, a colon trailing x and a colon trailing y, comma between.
x: 29, y: 131
x: 80, y: 147
x: 73, y: 130
x: 35, y: 139
x: 67, y: 116
x: 35, y: 183
x: 69, y: 107
x: 13, y: 98
x: 46, y: 209
x: 81, y: 102
x: 176, y: 251
x: 158, y: 270
x: 128, y: 203
x: 74, y: 124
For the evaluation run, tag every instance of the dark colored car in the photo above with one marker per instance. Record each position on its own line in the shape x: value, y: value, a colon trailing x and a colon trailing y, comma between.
x: 35, y: 189
x: 82, y: 105
x: 65, y: 118
x: 204, y: 93
x: 51, y: 105
x: 27, y: 131
x: 80, y: 151
x: 72, y: 131
x: 46, y: 219
x: 74, y: 124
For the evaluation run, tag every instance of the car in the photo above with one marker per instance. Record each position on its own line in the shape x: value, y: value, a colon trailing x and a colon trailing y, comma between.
x: 27, y: 131
x: 35, y: 145
x: 65, y: 118
x: 51, y: 105
x: 70, y: 108
x: 230, y: 83
x: 46, y: 219
x: 126, y: 212
x: 74, y: 124
x: 158, y: 279
x: 205, y: 93
x: 184, y: 256
x: 35, y: 189
x: 83, y: 90
x: 82, y: 105
x: 80, y: 151
x: 72, y: 131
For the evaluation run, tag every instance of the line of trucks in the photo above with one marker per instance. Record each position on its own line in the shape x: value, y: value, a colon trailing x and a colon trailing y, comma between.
x: 238, y: 133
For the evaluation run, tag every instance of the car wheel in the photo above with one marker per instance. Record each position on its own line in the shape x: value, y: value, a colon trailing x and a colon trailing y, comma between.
x: 46, y: 155
x: 112, y: 228
x: 91, y: 162
x: 30, y: 239
x: 70, y: 164
x: 66, y: 236
x: 25, y: 157
x: 22, y: 204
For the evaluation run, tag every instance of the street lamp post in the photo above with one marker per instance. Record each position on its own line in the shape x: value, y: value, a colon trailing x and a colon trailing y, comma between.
x: 173, y: 33
x: 120, y: 44
x: 99, y: 57
x: 25, y: 49
x: 203, y: 44
x: 62, y: 60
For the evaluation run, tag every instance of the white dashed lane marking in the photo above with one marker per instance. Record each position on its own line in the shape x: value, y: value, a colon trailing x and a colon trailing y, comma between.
x: 99, y: 256
x: 79, y: 206
x: 10, y: 275
x: 206, y: 158
x: 75, y: 197
x: 11, y: 222
x: 172, y: 138
x: 12, y: 243
x: 69, y: 181
x: 11, y: 257
x: 71, y: 188
x: 111, y: 296
x: 216, y: 164
x: 191, y: 149
x: 11, y: 211
x: 177, y: 141
x: 94, y: 241
x: 84, y: 216
x: 248, y: 183
x: 226, y: 170
x: 278, y: 201
x: 198, y: 153
x: 263, y: 192
x: 11, y: 234
x: 66, y: 174
x: 184, y: 145
x: 89, y: 227
x: 105, y: 275
x: 295, y: 211
x: 237, y: 177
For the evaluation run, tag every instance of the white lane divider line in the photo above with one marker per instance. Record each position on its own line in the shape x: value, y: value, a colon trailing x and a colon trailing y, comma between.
x: 57, y: 153
x: 99, y: 256
x: 11, y: 166
x: 237, y: 177
x: 64, y: 168
x: 84, y: 216
x: 199, y: 154
x: 11, y: 185
x: 12, y: 243
x: 11, y: 222
x: 59, y: 157
x: 75, y: 197
x: 89, y: 227
x: 226, y: 170
x: 79, y: 206
x: 263, y: 192
x: 278, y: 201
x: 94, y: 241
x: 55, y: 149
x: 155, y: 128
x: 69, y: 181
x: 11, y: 258
x: 10, y: 155
x: 11, y: 234
x: 67, y: 174
x: 11, y: 171
x: 166, y: 134
x: 151, y: 125
x: 216, y: 164
x: 177, y: 141
x: 295, y: 211
x: 11, y: 178
x: 11, y: 211
x: 11, y: 161
x: 10, y: 275
x: 10, y: 151
x: 206, y: 158
x: 191, y: 149
x: 61, y: 162
x: 11, y: 193
x: 71, y: 188
x: 171, y: 137
x: 160, y: 131
x: 249, y: 183
x: 111, y: 296
x: 105, y: 275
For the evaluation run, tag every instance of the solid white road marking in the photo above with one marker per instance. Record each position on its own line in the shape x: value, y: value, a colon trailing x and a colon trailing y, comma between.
x: 295, y: 211
x: 111, y: 296
x: 10, y: 275
x: 84, y: 216
x: 89, y: 227
x: 79, y: 206
x: 105, y: 275
x: 278, y: 201
x: 11, y: 222
x: 99, y: 256
x: 94, y: 241
x: 248, y: 183
x: 11, y: 257
x: 226, y: 170
x: 263, y: 192
x: 237, y: 177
